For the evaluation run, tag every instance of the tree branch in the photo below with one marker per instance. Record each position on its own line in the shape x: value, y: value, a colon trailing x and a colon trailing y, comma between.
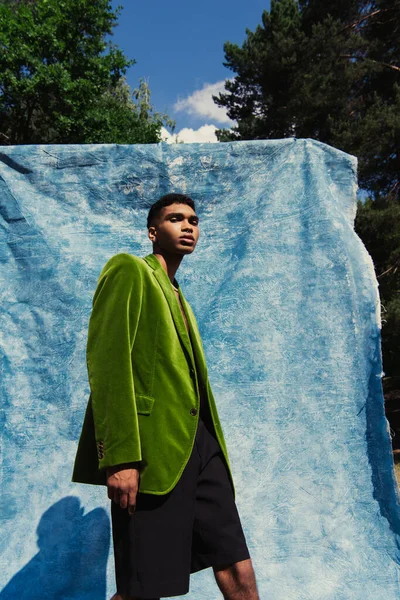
x: 394, y: 67
x: 375, y: 12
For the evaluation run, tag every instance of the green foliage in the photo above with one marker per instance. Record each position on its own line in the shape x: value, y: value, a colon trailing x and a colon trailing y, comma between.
x: 324, y: 70
x: 61, y: 82
x: 378, y: 225
x: 123, y: 116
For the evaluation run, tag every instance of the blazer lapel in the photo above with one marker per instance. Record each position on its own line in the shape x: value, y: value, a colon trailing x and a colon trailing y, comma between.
x: 169, y: 294
x: 195, y: 337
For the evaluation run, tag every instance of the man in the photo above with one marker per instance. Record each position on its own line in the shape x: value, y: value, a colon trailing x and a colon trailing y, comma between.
x: 151, y: 431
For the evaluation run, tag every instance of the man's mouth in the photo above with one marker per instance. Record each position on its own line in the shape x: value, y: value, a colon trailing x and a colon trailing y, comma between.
x: 189, y: 238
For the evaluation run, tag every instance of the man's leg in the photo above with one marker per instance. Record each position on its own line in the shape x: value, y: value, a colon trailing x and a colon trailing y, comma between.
x: 237, y: 581
x: 152, y: 547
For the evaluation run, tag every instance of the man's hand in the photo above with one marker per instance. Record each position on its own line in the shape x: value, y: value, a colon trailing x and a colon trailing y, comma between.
x: 123, y: 484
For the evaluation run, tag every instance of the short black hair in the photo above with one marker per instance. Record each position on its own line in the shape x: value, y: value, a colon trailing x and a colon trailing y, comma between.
x: 166, y: 200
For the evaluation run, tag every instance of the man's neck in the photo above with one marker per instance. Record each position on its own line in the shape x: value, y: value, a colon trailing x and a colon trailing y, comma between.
x: 170, y: 263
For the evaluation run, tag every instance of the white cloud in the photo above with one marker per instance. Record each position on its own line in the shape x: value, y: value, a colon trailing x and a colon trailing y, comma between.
x: 201, y: 104
x: 203, y: 135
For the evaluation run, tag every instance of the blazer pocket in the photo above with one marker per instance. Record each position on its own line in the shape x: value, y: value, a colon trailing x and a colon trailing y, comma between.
x: 144, y: 404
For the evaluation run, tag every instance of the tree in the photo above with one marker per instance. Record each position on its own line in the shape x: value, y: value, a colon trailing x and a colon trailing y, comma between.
x: 260, y: 96
x: 325, y: 70
x: 61, y: 82
x: 127, y: 117
x: 378, y: 225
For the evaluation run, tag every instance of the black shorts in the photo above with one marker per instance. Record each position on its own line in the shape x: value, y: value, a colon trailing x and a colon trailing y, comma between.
x: 193, y: 527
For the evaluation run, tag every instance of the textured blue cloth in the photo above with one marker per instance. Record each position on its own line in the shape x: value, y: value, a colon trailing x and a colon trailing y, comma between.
x: 287, y: 303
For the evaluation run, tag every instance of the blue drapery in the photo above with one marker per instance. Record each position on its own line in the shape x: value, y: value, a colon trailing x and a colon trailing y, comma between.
x: 287, y: 303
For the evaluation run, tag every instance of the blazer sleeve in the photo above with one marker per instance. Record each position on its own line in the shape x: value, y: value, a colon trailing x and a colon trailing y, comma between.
x: 112, y: 328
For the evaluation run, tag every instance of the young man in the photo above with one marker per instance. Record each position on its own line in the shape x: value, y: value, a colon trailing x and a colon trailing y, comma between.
x: 151, y: 431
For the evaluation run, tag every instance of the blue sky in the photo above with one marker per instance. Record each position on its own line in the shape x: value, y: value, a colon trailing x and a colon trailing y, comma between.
x: 178, y: 48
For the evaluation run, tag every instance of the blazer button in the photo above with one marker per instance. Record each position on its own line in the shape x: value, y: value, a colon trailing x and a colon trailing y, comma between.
x: 191, y: 371
x: 100, y: 449
x: 193, y: 411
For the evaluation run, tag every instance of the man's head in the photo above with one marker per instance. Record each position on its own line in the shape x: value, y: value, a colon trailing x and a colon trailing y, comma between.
x: 170, y: 218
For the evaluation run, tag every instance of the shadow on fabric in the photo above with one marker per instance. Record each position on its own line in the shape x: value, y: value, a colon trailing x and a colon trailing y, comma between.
x: 72, y: 557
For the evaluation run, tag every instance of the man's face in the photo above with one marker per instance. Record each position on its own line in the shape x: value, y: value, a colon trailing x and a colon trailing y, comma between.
x: 176, y: 221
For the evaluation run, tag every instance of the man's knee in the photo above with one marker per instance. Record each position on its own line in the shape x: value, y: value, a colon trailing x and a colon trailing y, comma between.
x: 241, y: 567
x: 239, y: 575
x: 123, y: 597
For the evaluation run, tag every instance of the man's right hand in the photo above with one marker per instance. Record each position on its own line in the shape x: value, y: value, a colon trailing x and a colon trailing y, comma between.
x: 122, y: 485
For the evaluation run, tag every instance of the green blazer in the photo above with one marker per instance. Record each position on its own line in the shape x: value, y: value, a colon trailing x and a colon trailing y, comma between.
x: 145, y: 388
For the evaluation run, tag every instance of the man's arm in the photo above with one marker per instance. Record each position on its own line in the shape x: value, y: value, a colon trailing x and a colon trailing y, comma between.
x: 112, y: 328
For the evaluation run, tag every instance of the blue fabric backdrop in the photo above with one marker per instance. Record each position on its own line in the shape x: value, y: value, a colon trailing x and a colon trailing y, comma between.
x: 287, y: 303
